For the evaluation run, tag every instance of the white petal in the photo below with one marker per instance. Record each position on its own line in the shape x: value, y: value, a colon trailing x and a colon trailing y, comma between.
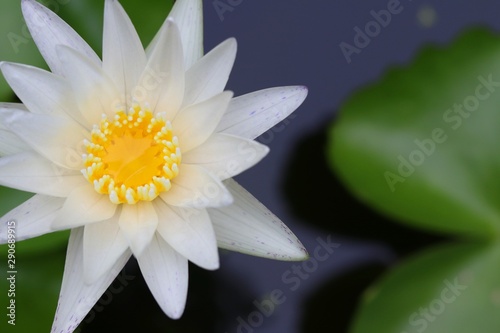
x: 103, y: 244
x: 196, y: 188
x: 248, y: 227
x: 41, y: 91
x: 32, y: 218
x: 226, y: 155
x: 56, y: 138
x: 94, y: 91
x: 123, y: 55
x: 162, y: 83
x: 138, y: 224
x: 209, y: 75
x: 84, y: 205
x: 166, y: 273
x: 252, y: 114
x: 194, y: 124
x: 190, y: 232
x: 77, y: 297
x: 188, y: 15
x: 48, y: 30
x: 10, y: 143
x: 33, y: 173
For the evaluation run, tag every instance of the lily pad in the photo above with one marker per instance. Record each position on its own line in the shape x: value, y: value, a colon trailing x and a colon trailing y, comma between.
x: 421, y: 145
x: 455, y: 288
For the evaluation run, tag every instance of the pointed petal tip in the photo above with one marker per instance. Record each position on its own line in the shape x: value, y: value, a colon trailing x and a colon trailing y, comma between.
x: 231, y: 41
x: 47, y: 30
x: 229, y: 46
x: 252, y: 114
x: 6, y: 67
x: 298, y: 92
x: 138, y: 248
x: 300, y: 254
x: 249, y: 227
x: 210, y: 264
x: 175, y: 313
x: 189, y: 17
x: 265, y: 150
x: 302, y: 92
x: 209, y: 75
x: 170, y: 21
x: 295, y: 251
x: 232, y: 45
x: 226, y: 199
x: 170, y: 24
x: 227, y: 94
x: 27, y: 5
x: 214, y: 266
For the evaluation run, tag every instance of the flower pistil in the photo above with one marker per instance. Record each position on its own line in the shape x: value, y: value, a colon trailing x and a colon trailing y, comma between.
x: 132, y: 156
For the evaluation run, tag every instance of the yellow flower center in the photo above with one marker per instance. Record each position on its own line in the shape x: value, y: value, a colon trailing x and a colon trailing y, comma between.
x: 132, y: 157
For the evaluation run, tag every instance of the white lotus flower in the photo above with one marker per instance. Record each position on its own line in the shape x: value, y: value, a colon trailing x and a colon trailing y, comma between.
x: 160, y: 141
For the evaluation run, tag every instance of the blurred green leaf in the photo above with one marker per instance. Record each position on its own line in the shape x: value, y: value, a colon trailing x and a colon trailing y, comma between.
x: 455, y: 288
x: 11, y: 198
x: 422, y: 144
x: 36, y: 290
x: 16, y: 44
x: 39, y: 244
x: 147, y: 18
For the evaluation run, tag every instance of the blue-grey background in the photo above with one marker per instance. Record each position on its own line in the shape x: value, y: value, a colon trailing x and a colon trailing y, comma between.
x: 287, y: 42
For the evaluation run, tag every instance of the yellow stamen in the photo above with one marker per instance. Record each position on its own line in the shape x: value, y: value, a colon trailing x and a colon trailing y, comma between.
x: 132, y: 157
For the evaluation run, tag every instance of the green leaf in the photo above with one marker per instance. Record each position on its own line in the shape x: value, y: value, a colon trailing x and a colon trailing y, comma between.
x: 147, y: 18
x: 455, y: 288
x: 422, y: 144
x: 38, y: 244
x: 35, y: 292
x: 16, y: 44
x: 11, y: 198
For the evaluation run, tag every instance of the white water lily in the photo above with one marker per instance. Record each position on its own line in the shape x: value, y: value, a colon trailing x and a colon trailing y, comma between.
x: 135, y: 154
